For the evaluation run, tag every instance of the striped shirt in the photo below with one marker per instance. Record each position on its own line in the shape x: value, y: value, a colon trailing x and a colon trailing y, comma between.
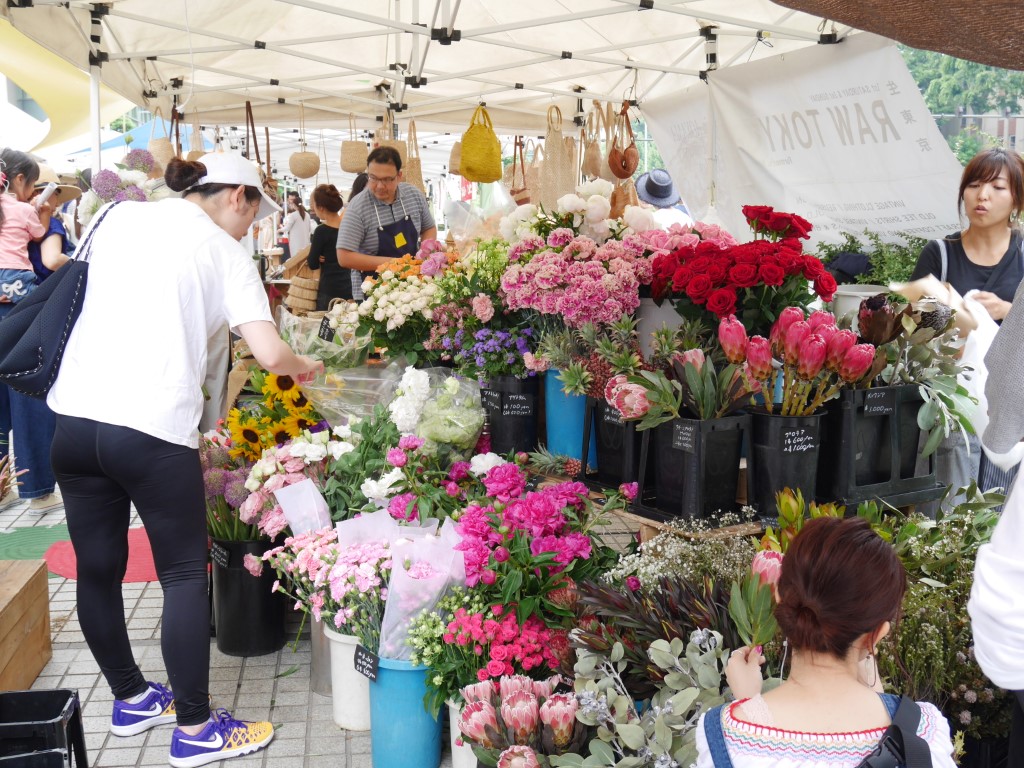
x: 358, y: 231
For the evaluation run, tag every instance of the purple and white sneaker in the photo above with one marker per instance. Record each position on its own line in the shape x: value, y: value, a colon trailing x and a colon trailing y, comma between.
x: 223, y: 737
x: 157, y: 708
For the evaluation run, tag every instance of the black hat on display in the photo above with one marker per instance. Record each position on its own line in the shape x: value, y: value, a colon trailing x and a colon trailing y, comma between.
x: 656, y: 187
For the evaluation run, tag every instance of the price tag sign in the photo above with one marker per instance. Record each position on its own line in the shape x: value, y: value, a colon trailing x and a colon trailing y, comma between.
x: 879, y: 402
x: 219, y: 555
x: 684, y: 436
x: 491, y: 400
x: 366, y: 662
x: 611, y: 416
x: 798, y: 440
x: 326, y: 332
x: 515, y: 404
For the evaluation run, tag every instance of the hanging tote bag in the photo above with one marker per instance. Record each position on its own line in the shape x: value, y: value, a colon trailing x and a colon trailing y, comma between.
x: 160, y: 146
x: 322, y: 149
x: 35, y: 332
x: 303, y: 164
x: 353, y: 150
x: 252, y: 142
x: 455, y: 159
x: 593, y: 159
x: 387, y: 138
x: 560, y: 164
x: 623, y: 158
x: 481, y: 150
x: 623, y: 194
x: 518, y: 187
x: 412, y: 170
x: 196, y: 142
x: 535, y: 170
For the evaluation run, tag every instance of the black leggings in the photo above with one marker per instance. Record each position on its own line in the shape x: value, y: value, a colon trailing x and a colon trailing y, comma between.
x: 103, y: 468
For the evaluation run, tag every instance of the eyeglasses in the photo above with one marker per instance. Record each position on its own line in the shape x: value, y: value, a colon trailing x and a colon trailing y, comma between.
x: 386, y: 180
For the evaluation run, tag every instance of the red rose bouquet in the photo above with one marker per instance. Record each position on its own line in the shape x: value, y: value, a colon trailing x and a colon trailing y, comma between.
x: 753, y: 281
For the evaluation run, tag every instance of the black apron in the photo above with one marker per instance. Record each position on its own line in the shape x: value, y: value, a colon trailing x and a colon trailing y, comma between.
x: 400, y: 238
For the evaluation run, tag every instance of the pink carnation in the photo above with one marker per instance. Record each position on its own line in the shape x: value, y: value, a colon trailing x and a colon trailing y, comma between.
x: 483, y: 308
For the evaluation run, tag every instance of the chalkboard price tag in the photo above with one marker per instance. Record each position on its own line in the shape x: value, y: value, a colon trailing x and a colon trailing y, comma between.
x: 517, y: 404
x: 684, y: 436
x: 612, y: 416
x: 799, y: 440
x: 219, y: 555
x: 366, y: 662
x: 879, y: 402
x: 491, y: 400
x: 326, y: 332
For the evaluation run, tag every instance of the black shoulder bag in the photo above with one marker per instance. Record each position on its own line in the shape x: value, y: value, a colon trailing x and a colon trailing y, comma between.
x: 900, y: 746
x: 33, y: 335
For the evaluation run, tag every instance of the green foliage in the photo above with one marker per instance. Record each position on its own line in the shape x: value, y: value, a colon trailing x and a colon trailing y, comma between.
x: 969, y: 142
x: 372, y: 438
x: 947, y: 83
x: 891, y: 262
x: 752, y: 609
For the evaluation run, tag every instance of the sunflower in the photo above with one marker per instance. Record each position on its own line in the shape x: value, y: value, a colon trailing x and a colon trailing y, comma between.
x: 280, y: 386
x: 245, y: 435
x: 295, y: 422
x: 279, y: 432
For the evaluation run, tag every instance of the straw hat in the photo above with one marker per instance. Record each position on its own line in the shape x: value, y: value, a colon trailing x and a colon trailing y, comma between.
x: 65, y: 193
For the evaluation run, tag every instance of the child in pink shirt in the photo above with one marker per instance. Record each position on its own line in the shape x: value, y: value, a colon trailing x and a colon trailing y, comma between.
x: 20, y: 223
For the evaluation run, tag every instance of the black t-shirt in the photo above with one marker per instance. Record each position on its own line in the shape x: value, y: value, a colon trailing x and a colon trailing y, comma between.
x: 964, y: 275
x: 335, y: 280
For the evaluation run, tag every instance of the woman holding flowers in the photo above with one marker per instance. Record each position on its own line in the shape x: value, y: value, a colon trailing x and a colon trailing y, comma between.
x: 134, y: 439
x: 839, y: 590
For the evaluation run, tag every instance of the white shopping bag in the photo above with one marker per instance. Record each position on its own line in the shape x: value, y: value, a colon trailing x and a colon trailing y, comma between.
x: 304, y: 507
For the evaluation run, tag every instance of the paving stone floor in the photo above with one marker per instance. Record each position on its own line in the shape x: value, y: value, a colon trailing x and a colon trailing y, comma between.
x: 275, y: 687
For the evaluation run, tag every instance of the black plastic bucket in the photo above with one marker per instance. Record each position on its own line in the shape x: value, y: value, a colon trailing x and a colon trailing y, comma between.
x: 784, y: 450
x: 247, y: 615
x: 513, y: 408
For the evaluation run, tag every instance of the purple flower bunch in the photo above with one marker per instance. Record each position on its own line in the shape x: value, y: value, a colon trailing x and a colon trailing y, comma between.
x: 489, y: 352
x: 110, y: 187
x: 139, y: 160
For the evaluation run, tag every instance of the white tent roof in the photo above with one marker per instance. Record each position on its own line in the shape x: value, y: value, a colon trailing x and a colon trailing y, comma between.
x: 351, y: 56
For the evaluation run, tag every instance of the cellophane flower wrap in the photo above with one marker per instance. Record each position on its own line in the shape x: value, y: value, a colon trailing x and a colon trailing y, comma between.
x: 715, y: 277
x: 398, y: 308
x: 440, y: 408
x: 224, y: 477
x: 303, y: 457
x: 343, y: 586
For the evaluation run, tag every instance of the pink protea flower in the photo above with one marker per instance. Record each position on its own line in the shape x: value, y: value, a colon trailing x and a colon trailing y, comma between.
x: 821, y: 318
x: 521, y: 714
x: 733, y: 338
x: 479, y: 691
x: 483, y: 307
x: 631, y: 401
x: 838, y: 346
x: 811, y: 357
x: 509, y: 684
x: 856, y: 362
x: 543, y: 688
x: 795, y: 335
x: 759, y: 357
x: 518, y: 757
x: 565, y: 594
x: 559, y: 713
x: 475, y: 720
x: 767, y: 565
x: 694, y: 357
x: 614, y: 383
x: 787, y: 317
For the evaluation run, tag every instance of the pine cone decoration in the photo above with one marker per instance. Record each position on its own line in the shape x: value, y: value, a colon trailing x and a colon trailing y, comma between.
x: 934, y: 314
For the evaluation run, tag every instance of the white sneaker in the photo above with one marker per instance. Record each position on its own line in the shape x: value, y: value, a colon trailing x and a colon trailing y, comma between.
x: 9, y: 500
x: 47, y: 503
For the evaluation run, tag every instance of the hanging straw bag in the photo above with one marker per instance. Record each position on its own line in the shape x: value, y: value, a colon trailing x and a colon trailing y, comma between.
x: 624, y: 194
x: 196, y: 142
x: 353, y: 150
x: 518, y: 187
x: 160, y: 146
x: 595, y: 159
x: 560, y: 163
x: 387, y: 138
x: 323, y: 153
x: 253, y: 143
x: 412, y: 170
x: 303, y: 164
x: 623, y: 158
x: 481, y: 150
x: 455, y: 159
x: 535, y: 170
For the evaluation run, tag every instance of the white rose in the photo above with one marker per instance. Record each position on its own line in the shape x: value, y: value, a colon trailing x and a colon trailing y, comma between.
x: 315, y: 453
x: 598, y: 208
x: 340, y: 449
x: 379, y: 315
x: 344, y: 431
x: 387, y: 274
x: 483, y: 463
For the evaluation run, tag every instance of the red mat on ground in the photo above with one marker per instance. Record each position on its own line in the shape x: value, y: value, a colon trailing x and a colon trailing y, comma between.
x: 60, y: 558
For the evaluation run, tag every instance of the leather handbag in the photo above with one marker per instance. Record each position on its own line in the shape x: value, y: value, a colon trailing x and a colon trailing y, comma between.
x: 35, y: 332
x: 481, y: 150
x: 623, y: 158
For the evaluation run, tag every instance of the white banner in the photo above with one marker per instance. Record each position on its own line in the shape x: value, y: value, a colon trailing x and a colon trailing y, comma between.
x: 838, y: 134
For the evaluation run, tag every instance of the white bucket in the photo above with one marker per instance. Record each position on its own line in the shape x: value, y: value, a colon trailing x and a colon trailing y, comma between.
x: 320, y: 666
x: 848, y: 298
x: 462, y: 754
x: 350, y: 691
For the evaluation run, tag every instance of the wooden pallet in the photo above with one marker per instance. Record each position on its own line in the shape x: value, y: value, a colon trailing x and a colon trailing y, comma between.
x: 649, y: 528
x: 24, y: 622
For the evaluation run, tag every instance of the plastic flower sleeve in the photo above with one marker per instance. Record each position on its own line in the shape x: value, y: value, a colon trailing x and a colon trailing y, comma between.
x: 450, y: 413
x: 420, y: 576
x: 304, y: 507
x: 379, y: 526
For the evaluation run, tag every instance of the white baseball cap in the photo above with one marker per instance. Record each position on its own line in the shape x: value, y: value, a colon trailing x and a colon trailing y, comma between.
x: 229, y: 168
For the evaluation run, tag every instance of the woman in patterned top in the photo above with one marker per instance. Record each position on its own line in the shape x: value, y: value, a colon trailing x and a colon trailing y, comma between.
x: 840, y: 589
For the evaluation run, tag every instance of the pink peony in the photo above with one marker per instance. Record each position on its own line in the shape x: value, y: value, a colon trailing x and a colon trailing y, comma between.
x: 505, y: 482
x: 403, y: 507
x: 633, y: 583
x: 410, y: 443
x: 629, y: 490
x: 396, y: 457
x: 767, y: 565
x: 433, y: 265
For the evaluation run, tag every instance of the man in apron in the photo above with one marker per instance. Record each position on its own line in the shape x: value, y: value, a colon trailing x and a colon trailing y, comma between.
x: 386, y: 221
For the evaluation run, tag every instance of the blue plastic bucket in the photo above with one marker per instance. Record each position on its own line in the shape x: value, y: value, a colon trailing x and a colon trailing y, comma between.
x: 564, y: 420
x: 402, y: 731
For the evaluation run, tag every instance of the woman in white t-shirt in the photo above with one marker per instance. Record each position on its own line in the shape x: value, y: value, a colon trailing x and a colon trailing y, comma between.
x: 297, y: 225
x: 163, y: 277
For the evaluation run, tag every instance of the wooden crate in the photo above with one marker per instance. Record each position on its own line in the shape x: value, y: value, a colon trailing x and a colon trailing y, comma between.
x: 24, y: 622
x: 649, y: 528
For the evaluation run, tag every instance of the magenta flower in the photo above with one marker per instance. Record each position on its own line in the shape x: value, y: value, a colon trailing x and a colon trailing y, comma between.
x: 811, y: 356
x: 759, y: 357
x: 629, y: 490
x: 795, y: 335
x: 787, y: 317
x: 838, y: 346
x: 821, y: 318
x: 856, y: 362
x: 403, y: 507
x: 505, y: 482
x: 633, y: 583
x: 410, y: 443
x: 396, y: 457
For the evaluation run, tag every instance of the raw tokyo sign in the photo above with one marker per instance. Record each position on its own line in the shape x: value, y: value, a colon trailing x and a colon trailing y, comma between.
x: 836, y: 133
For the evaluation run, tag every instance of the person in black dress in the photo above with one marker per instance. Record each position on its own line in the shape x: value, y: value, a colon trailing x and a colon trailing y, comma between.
x: 335, y: 280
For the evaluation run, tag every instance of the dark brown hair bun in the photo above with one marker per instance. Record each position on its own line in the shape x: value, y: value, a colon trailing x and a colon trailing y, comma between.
x: 328, y: 198
x: 182, y: 174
